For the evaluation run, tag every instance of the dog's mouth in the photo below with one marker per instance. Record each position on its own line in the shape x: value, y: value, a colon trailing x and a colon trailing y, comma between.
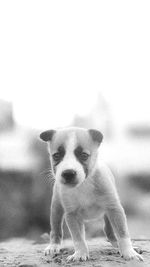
x: 69, y: 184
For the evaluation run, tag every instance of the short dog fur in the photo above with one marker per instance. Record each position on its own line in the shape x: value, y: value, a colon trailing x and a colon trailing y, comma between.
x: 84, y: 190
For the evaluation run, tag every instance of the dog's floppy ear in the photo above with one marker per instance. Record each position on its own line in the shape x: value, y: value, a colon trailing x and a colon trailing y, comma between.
x: 47, y: 135
x: 96, y: 136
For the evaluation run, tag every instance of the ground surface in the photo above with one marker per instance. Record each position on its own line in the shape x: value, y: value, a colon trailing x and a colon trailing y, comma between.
x: 27, y: 253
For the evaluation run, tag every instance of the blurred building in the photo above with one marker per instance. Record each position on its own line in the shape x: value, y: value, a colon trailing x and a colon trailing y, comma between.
x: 126, y: 147
x: 6, y: 116
x: 16, y: 151
x: 23, y: 190
x: 99, y: 118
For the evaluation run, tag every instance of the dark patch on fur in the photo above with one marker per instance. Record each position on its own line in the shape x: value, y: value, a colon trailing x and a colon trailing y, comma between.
x: 78, y: 153
x: 47, y: 135
x: 96, y: 135
x: 59, y: 155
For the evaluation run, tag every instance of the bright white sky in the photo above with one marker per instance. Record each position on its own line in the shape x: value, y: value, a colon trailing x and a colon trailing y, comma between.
x: 55, y: 56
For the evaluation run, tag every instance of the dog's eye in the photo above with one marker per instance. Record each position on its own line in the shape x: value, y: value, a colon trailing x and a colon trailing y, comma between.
x: 84, y: 156
x: 56, y: 156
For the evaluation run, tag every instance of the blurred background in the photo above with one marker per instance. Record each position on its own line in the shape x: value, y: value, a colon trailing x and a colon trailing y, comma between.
x: 73, y: 63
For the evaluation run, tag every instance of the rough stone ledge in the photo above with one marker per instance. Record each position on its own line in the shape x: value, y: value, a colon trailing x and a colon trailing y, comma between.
x: 27, y: 253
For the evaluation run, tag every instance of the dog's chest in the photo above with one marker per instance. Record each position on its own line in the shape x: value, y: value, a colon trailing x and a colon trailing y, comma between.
x: 84, y: 201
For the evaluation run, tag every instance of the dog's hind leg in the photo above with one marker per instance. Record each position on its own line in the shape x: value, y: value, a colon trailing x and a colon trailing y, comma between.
x: 110, y: 235
x: 118, y: 220
x: 109, y: 232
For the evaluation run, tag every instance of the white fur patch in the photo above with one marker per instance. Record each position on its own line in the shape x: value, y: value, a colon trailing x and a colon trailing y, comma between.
x: 70, y: 162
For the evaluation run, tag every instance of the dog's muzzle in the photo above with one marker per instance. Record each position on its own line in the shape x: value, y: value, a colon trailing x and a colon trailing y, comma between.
x: 69, y: 176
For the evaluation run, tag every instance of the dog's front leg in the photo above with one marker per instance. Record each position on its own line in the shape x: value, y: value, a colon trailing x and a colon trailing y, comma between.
x: 56, y: 219
x: 76, y: 228
x: 118, y: 219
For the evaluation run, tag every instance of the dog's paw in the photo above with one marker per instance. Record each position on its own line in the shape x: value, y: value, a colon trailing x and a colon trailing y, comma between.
x: 78, y: 256
x: 114, y: 243
x: 131, y: 254
x: 52, y: 250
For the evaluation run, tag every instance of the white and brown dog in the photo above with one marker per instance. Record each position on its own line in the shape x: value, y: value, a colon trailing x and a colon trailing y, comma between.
x: 84, y: 190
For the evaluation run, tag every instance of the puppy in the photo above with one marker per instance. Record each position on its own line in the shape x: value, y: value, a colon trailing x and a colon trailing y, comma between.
x: 84, y: 190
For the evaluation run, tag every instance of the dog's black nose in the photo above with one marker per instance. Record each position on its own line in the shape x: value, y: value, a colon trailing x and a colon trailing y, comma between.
x: 69, y: 175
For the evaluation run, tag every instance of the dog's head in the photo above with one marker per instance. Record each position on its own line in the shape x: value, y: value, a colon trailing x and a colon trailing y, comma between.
x: 73, y: 153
